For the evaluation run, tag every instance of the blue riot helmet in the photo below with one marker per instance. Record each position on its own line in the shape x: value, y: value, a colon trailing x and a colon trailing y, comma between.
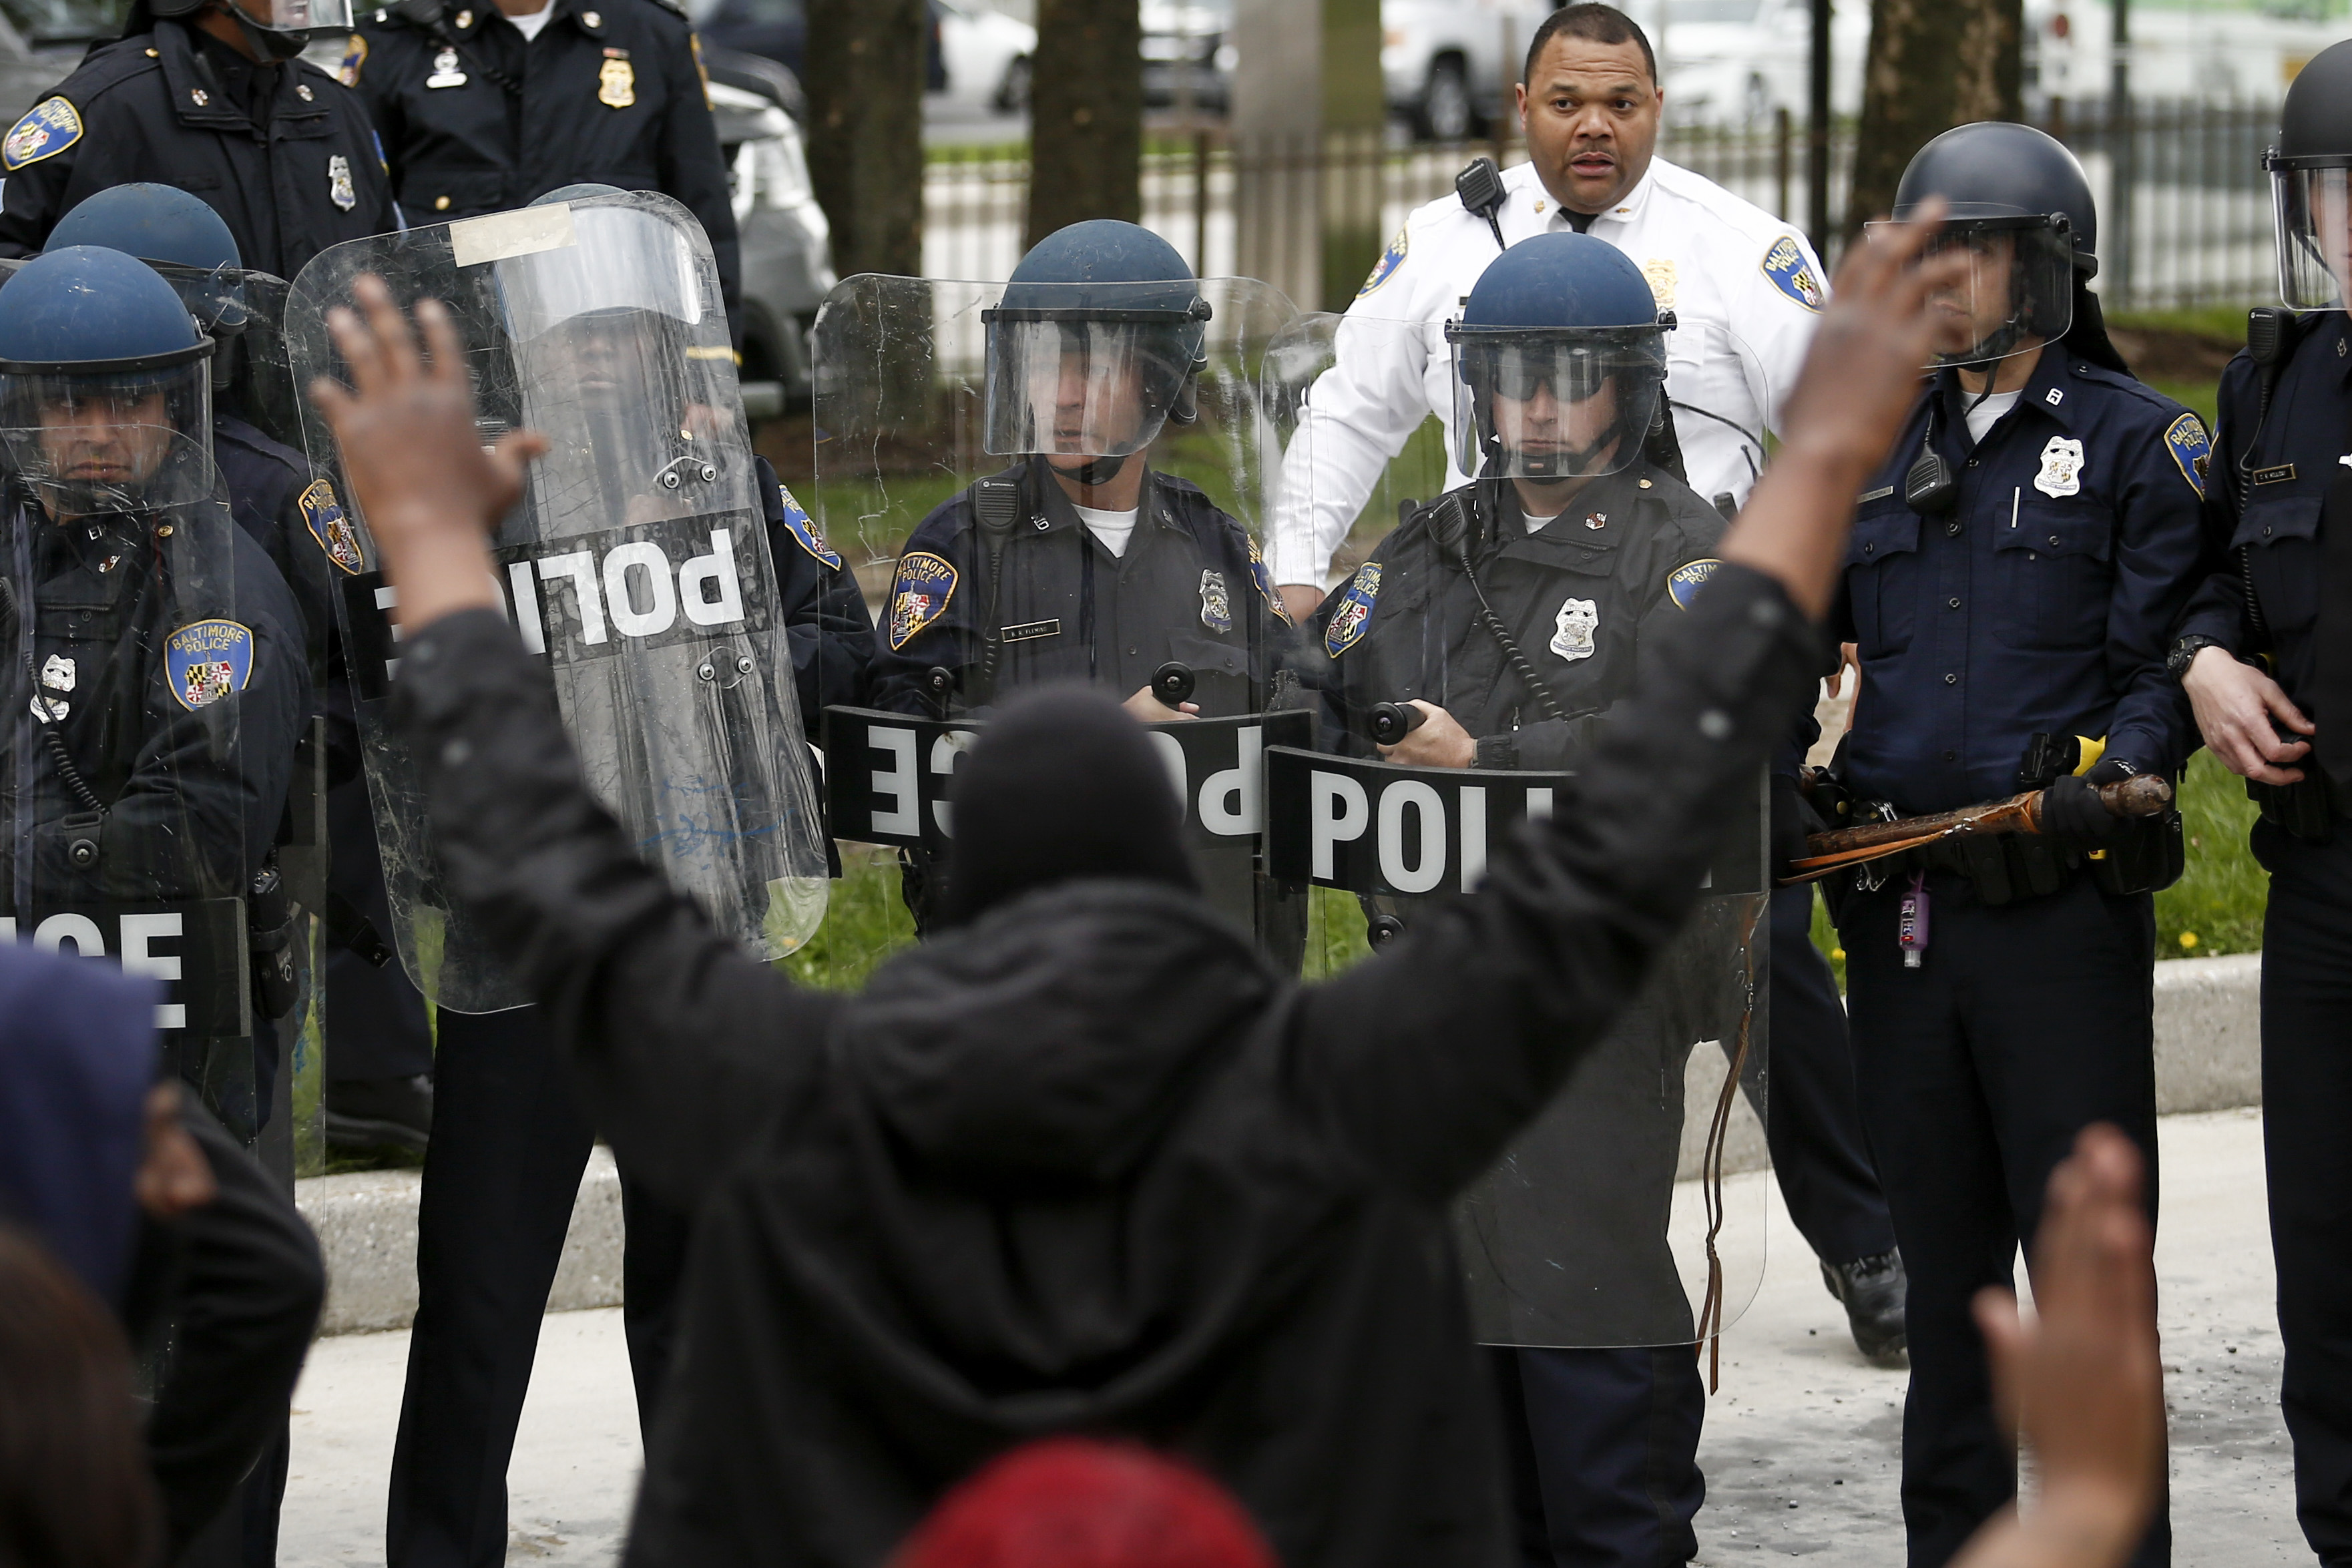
x: 177, y: 234
x: 2019, y: 204
x: 278, y: 29
x: 1095, y: 345
x: 2311, y: 183
x: 105, y: 385
x: 1560, y: 361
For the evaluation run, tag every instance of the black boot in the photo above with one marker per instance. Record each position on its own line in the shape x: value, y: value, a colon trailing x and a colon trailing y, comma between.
x: 1873, y: 1289
x: 365, y: 1114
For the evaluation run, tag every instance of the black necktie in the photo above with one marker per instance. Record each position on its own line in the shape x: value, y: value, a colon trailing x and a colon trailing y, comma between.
x: 2333, y: 698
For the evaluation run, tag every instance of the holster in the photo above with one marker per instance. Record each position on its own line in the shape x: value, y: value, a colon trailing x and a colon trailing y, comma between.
x: 2149, y: 858
x: 269, y: 944
x: 2305, y: 807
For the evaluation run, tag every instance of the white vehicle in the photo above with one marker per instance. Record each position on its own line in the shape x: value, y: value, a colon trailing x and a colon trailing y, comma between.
x: 1448, y: 65
x: 987, y: 55
x: 1736, y: 62
x: 2215, y: 51
x: 1188, y: 48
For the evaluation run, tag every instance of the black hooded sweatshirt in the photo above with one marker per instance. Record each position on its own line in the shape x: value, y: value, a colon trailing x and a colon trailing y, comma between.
x: 1088, y: 1164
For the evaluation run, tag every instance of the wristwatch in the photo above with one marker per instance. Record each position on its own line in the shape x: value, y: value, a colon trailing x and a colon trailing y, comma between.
x: 2184, y: 651
x: 1497, y: 751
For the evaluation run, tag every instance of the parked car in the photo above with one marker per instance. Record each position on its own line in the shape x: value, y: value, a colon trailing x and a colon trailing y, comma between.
x: 2211, y: 53
x: 984, y: 56
x: 1187, y: 47
x: 1448, y: 65
x: 1736, y: 62
x: 786, y: 242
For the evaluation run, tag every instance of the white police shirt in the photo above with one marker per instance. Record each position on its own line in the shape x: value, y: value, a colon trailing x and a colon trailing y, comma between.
x: 1724, y: 266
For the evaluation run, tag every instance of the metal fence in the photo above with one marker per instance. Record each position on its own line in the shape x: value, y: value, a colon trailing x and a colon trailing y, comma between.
x: 2192, y: 226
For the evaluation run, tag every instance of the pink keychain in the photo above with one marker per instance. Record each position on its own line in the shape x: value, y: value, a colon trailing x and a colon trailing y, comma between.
x: 1911, y: 922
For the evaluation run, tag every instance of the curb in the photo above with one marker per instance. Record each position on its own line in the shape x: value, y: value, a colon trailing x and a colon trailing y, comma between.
x: 2208, y: 1058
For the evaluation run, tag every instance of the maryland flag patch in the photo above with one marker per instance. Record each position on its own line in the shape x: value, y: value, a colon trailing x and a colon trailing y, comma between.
x: 2186, y: 440
x: 206, y: 661
x: 1263, y: 577
x: 926, y: 583
x: 355, y: 55
x: 323, y: 516
x: 1355, y: 612
x: 1385, y: 268
x: 48, y: 128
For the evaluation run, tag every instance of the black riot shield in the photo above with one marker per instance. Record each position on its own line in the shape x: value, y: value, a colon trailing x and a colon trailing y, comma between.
x: 1038, y: 495
x: 155, y: 685
x: 1631, y: 1212
x: 637, y: 565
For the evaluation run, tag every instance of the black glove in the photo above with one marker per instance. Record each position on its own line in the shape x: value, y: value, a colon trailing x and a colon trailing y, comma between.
x: 1793, y: 817
x: 2073, y: 812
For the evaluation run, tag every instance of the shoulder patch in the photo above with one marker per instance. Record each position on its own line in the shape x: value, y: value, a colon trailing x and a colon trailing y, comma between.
x: 925, y: 585
x: 1263, y: 577
x: 1391, y: 259
x: 2185, y: 438
x: 1683, y: 583
x: 323, y: 516
x: 207, y: 660
x: 1792, y: 275
x: 48, y: 128
x: 1349, y: 622
x: 355, y: 55
x: 803, y: 528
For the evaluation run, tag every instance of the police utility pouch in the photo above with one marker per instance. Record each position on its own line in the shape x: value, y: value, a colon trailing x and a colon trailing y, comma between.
x: 2305, y: 809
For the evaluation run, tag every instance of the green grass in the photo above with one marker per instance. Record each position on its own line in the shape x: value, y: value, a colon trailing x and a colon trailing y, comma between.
x: 2206, y: 320
x: 2215, y: 907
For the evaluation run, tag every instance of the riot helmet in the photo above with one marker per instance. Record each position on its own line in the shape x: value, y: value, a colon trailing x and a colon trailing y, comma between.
x: 177, y: 234
x: 276, y: 30
x: 2017, y: 203
x: 105, y: 385
x: 1096, y: 344
x: 2311, y: 183
x: 1560, y: 359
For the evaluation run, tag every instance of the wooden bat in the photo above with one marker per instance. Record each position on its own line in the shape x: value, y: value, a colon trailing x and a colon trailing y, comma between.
x: 2144, y: 796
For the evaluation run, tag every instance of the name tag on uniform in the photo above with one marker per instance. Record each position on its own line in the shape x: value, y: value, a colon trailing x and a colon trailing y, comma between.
x: 1030, y: 630
x: 1878, y: 494
x: 2278, y: 476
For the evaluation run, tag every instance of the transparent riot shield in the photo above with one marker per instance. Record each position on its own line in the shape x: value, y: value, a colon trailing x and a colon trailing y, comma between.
x: 637, y: 564
x: 154, y: 687
x: 1632, y: 1211
x: 1125, y: 553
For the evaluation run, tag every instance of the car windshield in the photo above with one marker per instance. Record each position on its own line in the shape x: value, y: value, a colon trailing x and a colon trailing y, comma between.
x: 1680, y: 12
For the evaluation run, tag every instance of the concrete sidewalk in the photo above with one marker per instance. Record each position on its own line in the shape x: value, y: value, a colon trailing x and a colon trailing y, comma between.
x: 1802, y: 1441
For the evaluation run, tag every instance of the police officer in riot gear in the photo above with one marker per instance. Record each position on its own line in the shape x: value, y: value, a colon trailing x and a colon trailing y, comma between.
x: 209, y: 96
x: 1081, y: 561
x: 486, y: 106
x: 2265, y: 654
x: 158, y: 658
x: 1509, y: 614
x: 379, y: 1060
x: 2016, y: 570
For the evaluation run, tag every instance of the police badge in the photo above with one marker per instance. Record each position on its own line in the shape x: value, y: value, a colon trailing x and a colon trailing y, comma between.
x: 339, y: 183
x: 926, y: 583
x: 1216, y: 609
x: 446, y: 71
x: 1574, y: 626
x: 616, y: 84
x: 323, y: 514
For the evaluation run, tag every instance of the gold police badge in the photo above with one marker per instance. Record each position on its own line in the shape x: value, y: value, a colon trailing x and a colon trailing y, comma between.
x: 616, y: 84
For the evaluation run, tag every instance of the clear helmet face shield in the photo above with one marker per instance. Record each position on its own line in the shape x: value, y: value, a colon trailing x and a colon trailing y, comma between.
x: 2312, y: 208
x: 1086, y: 378
x: 94, y: 444
x: 306, y: 17
x: 1553, y: 403
x: 2017, y: 290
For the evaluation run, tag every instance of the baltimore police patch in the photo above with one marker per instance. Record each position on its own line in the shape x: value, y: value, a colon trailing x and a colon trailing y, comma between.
x: 207, y: 660
x: 803, y: 528
x: 2186, y: 440
x: 1263, y: 577
x: 925, y: 582
x: 1683, y: 583
x: 323, y: 516
x: 48, y: 128
x: 355, y: 55
x: 1355, y: 612
x: 1385, y: 268
x: 1792, y: 275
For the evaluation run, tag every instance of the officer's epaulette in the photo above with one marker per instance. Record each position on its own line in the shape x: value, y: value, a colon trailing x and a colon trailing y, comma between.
x: 106, y: 66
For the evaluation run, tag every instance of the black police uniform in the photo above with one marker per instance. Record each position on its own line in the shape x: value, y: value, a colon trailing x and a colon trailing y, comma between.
x: 2281, y: 505
x: 510, y: 1141
x: 193, y: 794
x: 1604, y: 1443
x: 284, y: 153
x: 1190, y: 587
x: 2041, y: 602
x: 831, y: 633
x: 476, y: 120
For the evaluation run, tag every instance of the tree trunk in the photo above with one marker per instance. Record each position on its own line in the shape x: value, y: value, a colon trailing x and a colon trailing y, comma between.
x: 1085, y: 115
x: 865, y: 86
x: 1934, y: 64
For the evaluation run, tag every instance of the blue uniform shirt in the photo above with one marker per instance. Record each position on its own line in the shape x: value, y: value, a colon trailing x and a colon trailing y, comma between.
x: 2270, y: 472
x: 2043, y: 602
